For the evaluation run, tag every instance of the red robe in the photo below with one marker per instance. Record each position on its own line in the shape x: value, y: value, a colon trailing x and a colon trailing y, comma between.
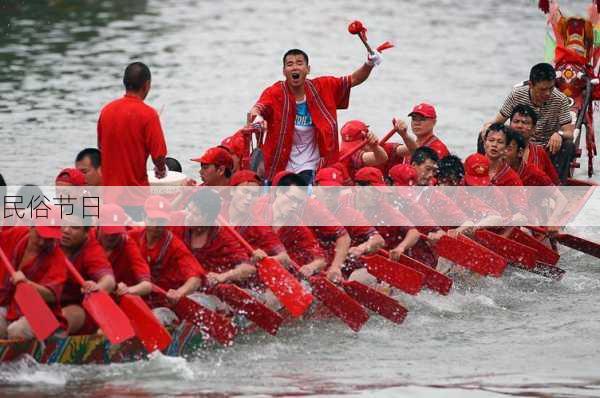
x: 539, y: 157
x: 277, y: 105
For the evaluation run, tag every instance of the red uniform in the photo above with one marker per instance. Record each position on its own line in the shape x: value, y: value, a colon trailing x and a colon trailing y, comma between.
x: 47, y: 269
x: 539, y: 157
x: 261, y: 237
x: 91, y: 262
x: 170, y: 261
x: 128, y: 132
x: 328, y: 233
x: 531, y: 175
x: 507, y: 177
x: 300, y: 244
x: 128, y: 264
x: 434, y: 143
x: 277, y: 105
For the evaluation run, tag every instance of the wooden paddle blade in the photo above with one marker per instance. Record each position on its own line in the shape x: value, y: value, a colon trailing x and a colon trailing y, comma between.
x: 376, y: 301
x: 544, y: 253
x: 471, y: 255
x: 514, y: 252
x: 147, y: 327
x: 545, y: 270
x: 114, y: 323
x: 284, y: 286
x: 396, y: 274
x: 40, y: 317
x: 216, y: 325
x: 577, y: 243
x: 434, y: 280
x: 339, y: 303
x: 245, y: 303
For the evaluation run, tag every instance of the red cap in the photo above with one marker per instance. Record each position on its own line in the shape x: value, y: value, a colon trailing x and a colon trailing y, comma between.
x: 424, y: 109
x: 403, y: 175
x: 477, y: 170
x: 236, y: 144
x: 341, y: 167
x: 71, y: 176
x: 112, y: 219
x: 371, y: 175
x: 329, y: 177
x: 279, y: 176
x: 49, y: 228
x: 217, y: 156
x: 244, y: 176
x: 157, y: 207
x: 353, y: 130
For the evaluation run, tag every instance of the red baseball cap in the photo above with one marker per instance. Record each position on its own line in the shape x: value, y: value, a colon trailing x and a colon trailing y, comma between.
x: 49, y: 228
x: 403, y: 175
x: 157, y: 207
x: 236, y: 144
x: 279, y: 176
x: 71, y: 176
x: 217, y: 156
x: 353, y: 130
x: 424, y: 109
x: 112, y: 219
x: 371, y: 175
x: 477, y: 170
x: 244, y: 176
x: 329, y: 177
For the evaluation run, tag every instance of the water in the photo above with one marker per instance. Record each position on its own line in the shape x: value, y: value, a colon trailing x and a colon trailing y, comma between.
x: 60, y: 61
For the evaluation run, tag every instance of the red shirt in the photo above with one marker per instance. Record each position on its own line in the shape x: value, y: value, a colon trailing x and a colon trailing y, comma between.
x: 443, y: 209
x: 128, y: 132
x: 300, y: 244
x: 434, y: 143
x: 221, y: 252
x: 531, y: 175
x: 506, y: 177
x: 539, y: 157
x: 277, y: 105
x: 261, y: 237
x: 127, y: 262
x: 47, y: 269
x: 91, y: 262
x: 170, y: 261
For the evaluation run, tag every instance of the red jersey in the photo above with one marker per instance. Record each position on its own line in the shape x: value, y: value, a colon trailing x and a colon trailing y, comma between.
x: 170, y: 261
x: 539, y: 157
x: 506, y: 177
x: 443, y: 209
x: 300, y: 244
x: 221, y: 252
x: 261, y: 237
x: 277, y: 105
x: 91, y: 262
x: 128, y: 132
x: 434, y: 143
x: 127, y: 262
x: 47, y: 269
x: 531, y: 175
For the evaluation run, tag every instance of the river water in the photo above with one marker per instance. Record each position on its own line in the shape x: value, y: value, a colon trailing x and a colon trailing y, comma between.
x: 60, y: 61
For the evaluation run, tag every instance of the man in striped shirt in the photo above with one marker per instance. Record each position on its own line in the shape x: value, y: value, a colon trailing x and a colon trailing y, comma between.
x: 554, y: 127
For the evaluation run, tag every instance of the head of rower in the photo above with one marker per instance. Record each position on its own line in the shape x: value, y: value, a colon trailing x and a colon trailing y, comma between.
x: 523, y: 119
x: 246, y: 188
x: 424, y: 160
x: 137, y: 80
x: 157, y: 214
x: 450, y: 172
x: 216, y: 167
x: 75, y: 231
x: 203, y: 209
x: 111, y: 232
x: 369, y: 198
x: 494, y: 143
x: 88, y: 162
x: 477, y: 170
x: 422, y: 121
x: 295, y: 69
x: 515, y: 148
x: 329, y: 181
x: 290, y: 196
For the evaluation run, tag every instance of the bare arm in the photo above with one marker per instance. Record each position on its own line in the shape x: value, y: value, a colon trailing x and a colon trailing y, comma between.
x: 342, y: 244
x: 107, y: 283
x: 361, y: 74
x: 141, y: 289
x: 374, y: 154
x: 238, y: 274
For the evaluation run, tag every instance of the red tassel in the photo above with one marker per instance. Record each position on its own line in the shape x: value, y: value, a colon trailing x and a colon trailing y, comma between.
x: 544, y: 5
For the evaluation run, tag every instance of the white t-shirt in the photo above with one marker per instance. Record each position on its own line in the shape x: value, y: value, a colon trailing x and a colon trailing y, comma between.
x: 305, y: 151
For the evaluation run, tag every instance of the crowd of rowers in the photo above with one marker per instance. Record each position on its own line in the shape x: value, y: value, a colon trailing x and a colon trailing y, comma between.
x: 190, y: 260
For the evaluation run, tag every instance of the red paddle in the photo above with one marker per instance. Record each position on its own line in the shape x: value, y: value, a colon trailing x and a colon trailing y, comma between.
x: 544, y: 253
x: 40, y: 317
x: 376, y: 301
x: 574, y: 242
x: 216, y: 325
x: 246, y: 304
x: 101, y: 307
x: 434, y: 280
x: 469, y: 254
x: 283, y: 285
x: 147, y: 327
x: 396, y: 274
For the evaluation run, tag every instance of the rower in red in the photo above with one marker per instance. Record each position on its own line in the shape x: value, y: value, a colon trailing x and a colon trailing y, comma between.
x: 38, y: 260
x: 372, y: 154
x: 301, y: 115
x: 216, y: 167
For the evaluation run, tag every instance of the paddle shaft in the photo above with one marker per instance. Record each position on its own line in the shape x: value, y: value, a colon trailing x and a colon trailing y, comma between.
x: 364, y: 40
x: 235, y: 234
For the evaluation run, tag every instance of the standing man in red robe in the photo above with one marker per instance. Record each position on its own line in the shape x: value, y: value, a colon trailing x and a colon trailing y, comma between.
x: 301, y: 115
